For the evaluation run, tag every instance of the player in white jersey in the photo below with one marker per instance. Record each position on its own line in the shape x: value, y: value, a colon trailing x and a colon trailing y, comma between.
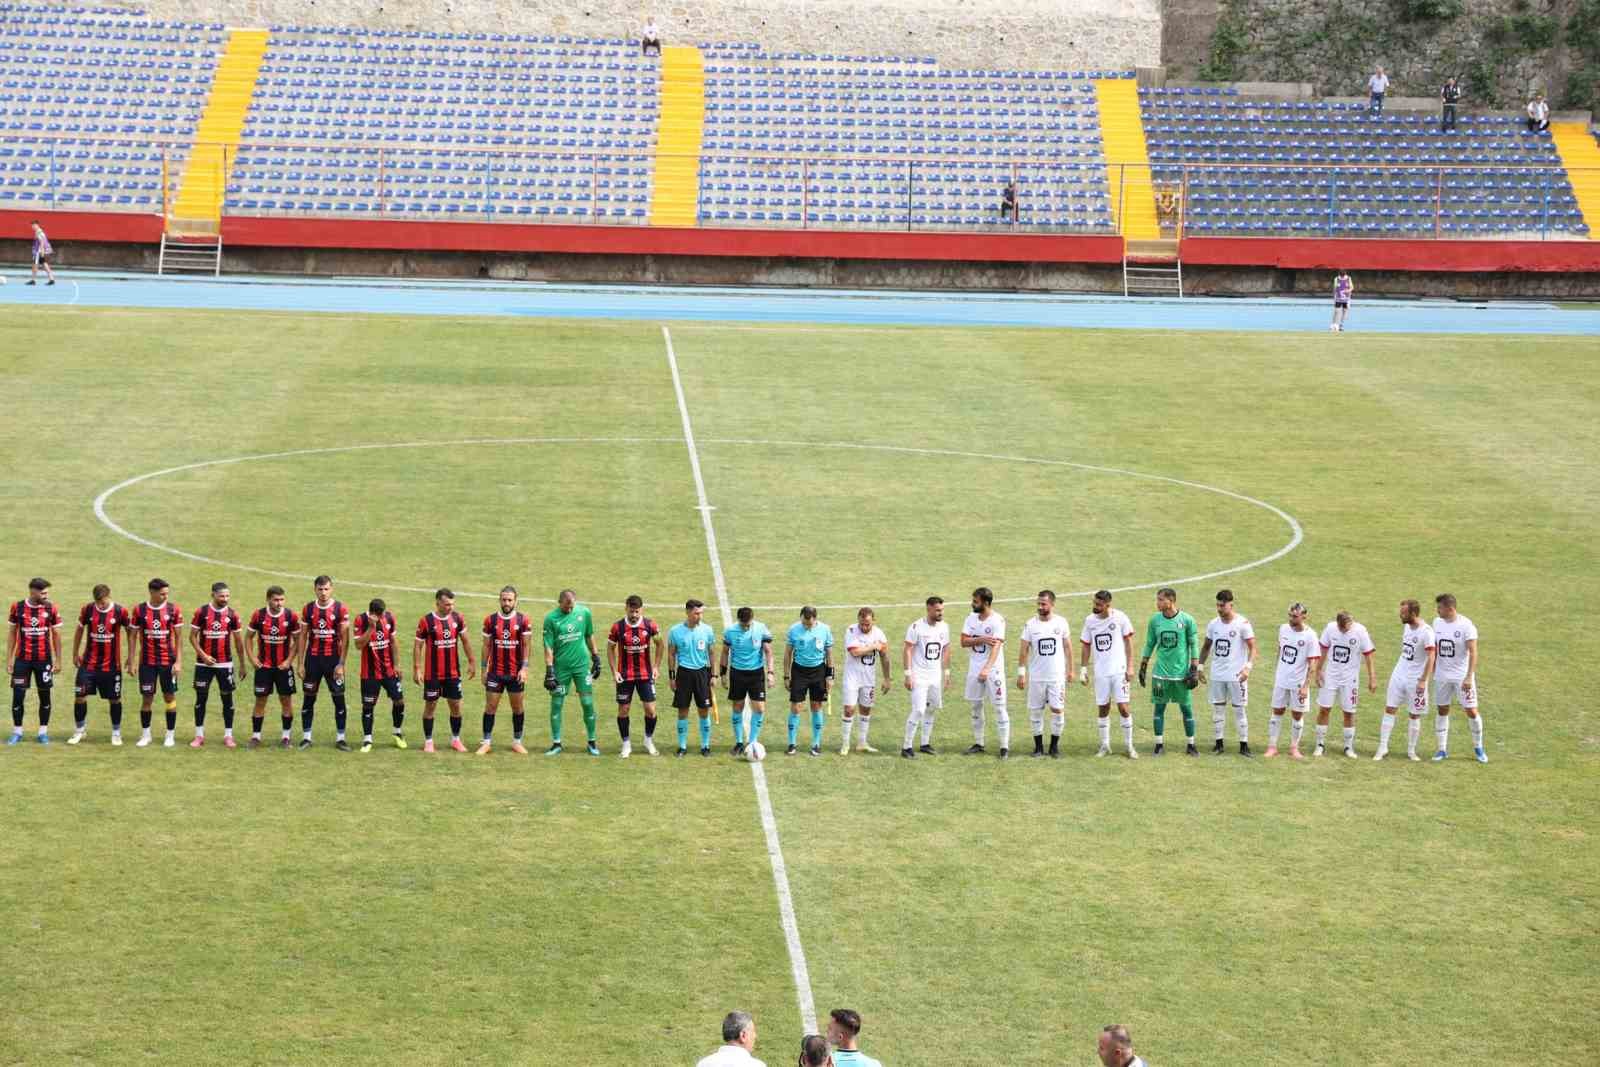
x: 1346, y: 645
x: 1456, y: 676
x: 1107, y: 639
x: 927, y: 666
x: 1299, y: 652
x: 1232, y: 640
x: 865, y: 649
x: 1408, y: 685
x: 984, y: 637
x: 1042, y: 669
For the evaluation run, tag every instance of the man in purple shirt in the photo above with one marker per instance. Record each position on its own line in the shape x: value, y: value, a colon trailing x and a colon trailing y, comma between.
x: 41, y: 256
x: 1342, y: 288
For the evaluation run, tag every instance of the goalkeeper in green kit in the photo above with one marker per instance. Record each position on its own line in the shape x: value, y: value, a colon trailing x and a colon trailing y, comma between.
x: 1173, y: 637
x: 571, y: 661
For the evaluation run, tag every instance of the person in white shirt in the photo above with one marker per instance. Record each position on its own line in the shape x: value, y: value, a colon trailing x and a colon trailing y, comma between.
x: 927, y: 666
x: 1298, y: 650
x: 1538, y: 114
x: 1043, y: 665
x: 984, y: 636
x: 1377, y: 85
x: 1232, y: 639
x: 865, y: 648
x: 1408, y: 684
x: 1115, y: 1048
x: 1346, y: 645
x: 1456, y: 676
x: 738, y: 1041
x: 650, y: 39
x: 1107, y: 639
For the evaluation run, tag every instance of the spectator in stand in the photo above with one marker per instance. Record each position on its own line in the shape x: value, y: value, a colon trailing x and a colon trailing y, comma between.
x: 1377, y: 85
x: 1450, y: 95
x: 1538, y: 114
x: 844, y: 1026
x: 738, y: 1039
x: 1008, y: 203
x: 650, y: 39
x: 1116, y: 1048
x: 814, y: 1052
x: 41, y: 256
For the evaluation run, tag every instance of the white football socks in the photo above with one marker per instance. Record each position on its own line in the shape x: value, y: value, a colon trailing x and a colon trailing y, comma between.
x: 1385, y: 730
x: 1274, y: 727
x: 1322, y: 734
x: 927, y: 727
x: 1242, y: 721
x: 1036, y: 720
x: 911, y: 730
x: 1297, y: 727
x: 1058, y: 722
x: 977, y: 721
x: 1475, y: 724
x: 1103, y: 724
x: 1413, y: 731
x: 862, y: 722
x: 1127, y: 731
x: 1218, y: 719
x: 1441, y: 732
x: 1002, y: 723
x: 1349, y: 737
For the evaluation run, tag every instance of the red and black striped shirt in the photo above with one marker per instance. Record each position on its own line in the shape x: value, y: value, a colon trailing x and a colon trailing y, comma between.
x: 324, y: 628
x: 274, y: 636
x: 103, y: 651
x: 506, y: 634
x: 34, y: 623
x: 160, y: 626
x: 441, y: 653
x: 633, y: 645
x: 216, y: 627
x: 377, y: 658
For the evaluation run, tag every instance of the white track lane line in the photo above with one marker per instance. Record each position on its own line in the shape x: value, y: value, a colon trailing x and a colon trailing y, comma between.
x: 769, y: 824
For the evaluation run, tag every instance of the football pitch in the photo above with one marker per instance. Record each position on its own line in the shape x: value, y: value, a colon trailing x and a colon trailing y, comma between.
x: 271, y: 907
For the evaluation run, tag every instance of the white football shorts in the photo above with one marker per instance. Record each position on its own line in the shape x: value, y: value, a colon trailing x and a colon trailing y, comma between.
x: 993, y: 689
x: 926, y: 694
x: 1403, y: 694
x: 1111, y: 689
x: 1046, y: 694
x: 1447, y: 691
x: 1235, y: 693
x: 859, y: 694
x: 1345, y: 695
x: 1287, y: 696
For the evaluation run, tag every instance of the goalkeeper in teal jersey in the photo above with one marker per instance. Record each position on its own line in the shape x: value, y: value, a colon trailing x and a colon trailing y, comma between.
x: 568, y: 635
x: 1175, y: 639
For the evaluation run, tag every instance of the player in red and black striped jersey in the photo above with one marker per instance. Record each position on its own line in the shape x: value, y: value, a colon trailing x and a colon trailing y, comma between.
x: 380, y: 670
x: 97, y: 653
x: 154, y: 627
x: 33, y: 650
x: 506, y: 635
x: 217, y: 638
x: 436, y: 665
x: 276, y: 630
x: 325, y: 638
x: 633, y: 650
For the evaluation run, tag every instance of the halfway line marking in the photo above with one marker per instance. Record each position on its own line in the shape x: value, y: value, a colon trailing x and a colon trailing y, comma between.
x: 758, y: 774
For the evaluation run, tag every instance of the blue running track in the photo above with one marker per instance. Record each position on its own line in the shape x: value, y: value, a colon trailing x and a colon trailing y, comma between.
x: 845, y: 308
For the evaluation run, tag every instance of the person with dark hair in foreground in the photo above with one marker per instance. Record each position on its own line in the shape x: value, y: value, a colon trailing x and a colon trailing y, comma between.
x: 844, y: 1027
x: 1116, y: 1047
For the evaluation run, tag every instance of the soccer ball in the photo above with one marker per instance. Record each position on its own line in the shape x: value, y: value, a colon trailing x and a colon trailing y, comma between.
x: 755, y: 752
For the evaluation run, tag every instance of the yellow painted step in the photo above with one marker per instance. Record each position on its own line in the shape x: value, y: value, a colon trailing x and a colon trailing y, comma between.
x: 1133, y: 201
x: 680, y: 125
x: 221, y: 125
x: 1581, y: 157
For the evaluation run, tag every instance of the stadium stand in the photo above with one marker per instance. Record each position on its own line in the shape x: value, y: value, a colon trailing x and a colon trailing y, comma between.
x: 86, y: 97
x: 837, y: 140
x: 1337, y: 169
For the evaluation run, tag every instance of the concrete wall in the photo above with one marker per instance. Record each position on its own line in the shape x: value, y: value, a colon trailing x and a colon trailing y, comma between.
x: 820, y: 273
x: 1021, y: 34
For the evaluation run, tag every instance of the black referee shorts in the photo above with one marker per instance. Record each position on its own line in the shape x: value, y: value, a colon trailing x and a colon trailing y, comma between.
x: 692, y: 684
x: 743, y: 685
x: 808, y: 682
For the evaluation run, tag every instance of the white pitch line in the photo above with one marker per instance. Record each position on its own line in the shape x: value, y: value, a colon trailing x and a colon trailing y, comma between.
x: 769, y: 823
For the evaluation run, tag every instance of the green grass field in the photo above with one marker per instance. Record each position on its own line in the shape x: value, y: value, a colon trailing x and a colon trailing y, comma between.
x: 286, y: 908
